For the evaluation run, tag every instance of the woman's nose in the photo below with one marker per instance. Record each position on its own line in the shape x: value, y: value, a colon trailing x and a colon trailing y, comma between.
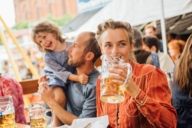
x: 114, y: 51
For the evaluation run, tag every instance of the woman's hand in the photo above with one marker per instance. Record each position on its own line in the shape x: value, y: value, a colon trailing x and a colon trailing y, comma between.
x: 118, y: 75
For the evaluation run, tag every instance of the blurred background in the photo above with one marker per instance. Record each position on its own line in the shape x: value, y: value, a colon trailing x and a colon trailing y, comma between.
x: 21, y: 59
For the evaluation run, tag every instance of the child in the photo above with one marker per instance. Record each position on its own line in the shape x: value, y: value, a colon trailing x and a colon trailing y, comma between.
x: 49, y: 39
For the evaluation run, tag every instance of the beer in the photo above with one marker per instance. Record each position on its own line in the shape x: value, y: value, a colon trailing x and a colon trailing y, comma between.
x: 111, y: 92
x: 7, y: 120
x: 7, y: 112
x: 38, y: 123
x: 37, y: 116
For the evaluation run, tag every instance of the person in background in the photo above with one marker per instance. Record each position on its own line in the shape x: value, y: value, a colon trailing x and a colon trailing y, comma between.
x: 151, y: 31
x: 81, y: 100
x: 182, y: 87
x: 147, y: 101
x: 165, y: 61
x: 49, y: 39
x: 142, y: 56
x: 9, y: 86
x: 175, y: 49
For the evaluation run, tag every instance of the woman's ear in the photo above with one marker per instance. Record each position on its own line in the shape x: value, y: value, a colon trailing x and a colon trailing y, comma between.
x: 89, y: 56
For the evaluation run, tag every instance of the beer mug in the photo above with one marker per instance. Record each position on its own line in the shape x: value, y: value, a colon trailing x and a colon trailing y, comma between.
x: 7, y: 112
x: 37, y: 115
x: 112, y: 92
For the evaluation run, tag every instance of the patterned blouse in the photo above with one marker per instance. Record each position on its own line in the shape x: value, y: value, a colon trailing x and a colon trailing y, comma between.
x: 8, y: 86
x: 150, y: 109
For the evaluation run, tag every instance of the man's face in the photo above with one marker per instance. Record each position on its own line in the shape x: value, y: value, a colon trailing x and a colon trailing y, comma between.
x: 115, y: 42
x: 150, y: 32
x: 76, y: 52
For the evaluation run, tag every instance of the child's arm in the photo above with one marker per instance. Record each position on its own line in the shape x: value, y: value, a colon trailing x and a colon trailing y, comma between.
x: 54, y: 69
x: 82, y: 78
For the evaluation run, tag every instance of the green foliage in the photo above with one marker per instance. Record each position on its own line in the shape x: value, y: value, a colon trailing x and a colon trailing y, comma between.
x: 60, y: 21
x: 21, y: 25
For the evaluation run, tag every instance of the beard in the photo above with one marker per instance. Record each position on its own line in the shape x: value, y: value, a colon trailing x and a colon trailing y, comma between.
x: 78, y: 63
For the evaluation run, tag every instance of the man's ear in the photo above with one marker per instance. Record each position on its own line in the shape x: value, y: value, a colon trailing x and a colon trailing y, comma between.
x: 153, y: 48
x: 89, y: 56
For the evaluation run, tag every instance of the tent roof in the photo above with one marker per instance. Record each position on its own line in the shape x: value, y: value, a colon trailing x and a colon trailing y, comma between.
x: 140, y: 11
x: 79, y: 20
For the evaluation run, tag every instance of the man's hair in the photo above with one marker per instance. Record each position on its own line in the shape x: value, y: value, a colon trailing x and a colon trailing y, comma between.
x: 49, y: 28
x: 151, y: 41
x: 111, y: 24
x: 150, y: 26
x: 93, y: 46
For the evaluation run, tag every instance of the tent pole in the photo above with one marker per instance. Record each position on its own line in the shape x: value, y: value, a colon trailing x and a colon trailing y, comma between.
x: 21, y: 50
x: 13, y: 63
x: 163, y: 27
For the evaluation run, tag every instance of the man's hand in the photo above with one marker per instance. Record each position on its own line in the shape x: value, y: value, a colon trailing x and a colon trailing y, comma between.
x: 45, y: 91
x: 83, y: 79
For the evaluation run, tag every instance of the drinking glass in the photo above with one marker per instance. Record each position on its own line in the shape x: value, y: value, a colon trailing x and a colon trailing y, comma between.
x: 37, y: 115
x: 7, y: 112
x: 111, y: 92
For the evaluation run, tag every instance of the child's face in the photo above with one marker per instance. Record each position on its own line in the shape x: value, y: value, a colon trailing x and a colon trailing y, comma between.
x: 46, y: 41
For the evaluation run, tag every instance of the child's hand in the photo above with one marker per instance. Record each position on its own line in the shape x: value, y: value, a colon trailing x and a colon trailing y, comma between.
x: 82, y: 78
x: 43, y: 83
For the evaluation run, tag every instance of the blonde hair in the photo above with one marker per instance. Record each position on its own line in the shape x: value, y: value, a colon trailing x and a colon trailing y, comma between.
x: 111, y: 24
x: 49, y: 28
x: 183, y: 69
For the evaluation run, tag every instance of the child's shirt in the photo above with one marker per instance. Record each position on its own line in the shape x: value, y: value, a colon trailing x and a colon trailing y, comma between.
x: 57, y: 69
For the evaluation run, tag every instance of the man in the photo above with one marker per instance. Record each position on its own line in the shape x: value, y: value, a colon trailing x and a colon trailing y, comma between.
x: 81, y: 98
x: 147, y: 101
x: 151, y: 31
x: 142, y: 56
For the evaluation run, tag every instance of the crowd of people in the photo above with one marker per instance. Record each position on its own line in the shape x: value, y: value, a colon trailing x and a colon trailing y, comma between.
x: 158, y: 93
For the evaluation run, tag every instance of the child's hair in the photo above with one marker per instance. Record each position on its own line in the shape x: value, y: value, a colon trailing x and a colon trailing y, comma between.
x: 49, y: 28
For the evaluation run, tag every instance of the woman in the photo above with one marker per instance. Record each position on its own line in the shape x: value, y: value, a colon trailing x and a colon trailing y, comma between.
x: 182, y: 87
x: 147, y: 101
x: 8, y: 86
x: 175, y: 49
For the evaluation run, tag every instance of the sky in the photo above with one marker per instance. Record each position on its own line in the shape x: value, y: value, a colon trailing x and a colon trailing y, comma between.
x: 7, y: 12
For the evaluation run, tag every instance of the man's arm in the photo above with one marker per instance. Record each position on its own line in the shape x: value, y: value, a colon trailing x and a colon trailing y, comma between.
x: 64, y: 116
x: 48, y: 97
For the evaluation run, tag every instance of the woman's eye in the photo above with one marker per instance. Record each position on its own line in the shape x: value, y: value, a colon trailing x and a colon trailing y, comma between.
x: 44, y: 37
x: 107, y: 45
x: 122, y: 44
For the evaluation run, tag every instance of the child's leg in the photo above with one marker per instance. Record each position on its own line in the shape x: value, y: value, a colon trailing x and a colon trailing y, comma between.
x: 60, y: 97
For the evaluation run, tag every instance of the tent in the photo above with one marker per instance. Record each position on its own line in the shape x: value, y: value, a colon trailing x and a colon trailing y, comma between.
x: 137, y: 12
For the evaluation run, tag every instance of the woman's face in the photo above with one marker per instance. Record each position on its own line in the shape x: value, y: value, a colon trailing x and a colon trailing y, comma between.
x: 115, y: 42
x: 174, y: 52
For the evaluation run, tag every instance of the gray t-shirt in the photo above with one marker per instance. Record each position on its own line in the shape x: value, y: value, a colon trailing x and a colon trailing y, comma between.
x: 82, y: 98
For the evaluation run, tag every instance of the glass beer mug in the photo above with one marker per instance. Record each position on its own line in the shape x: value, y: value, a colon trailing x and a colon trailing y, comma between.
x: 7, y: 112
x: 37, y: 115
x: 112, y: 92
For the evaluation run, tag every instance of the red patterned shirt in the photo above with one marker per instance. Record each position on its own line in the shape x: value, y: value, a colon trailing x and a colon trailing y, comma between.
x: 8, y: 86
x: 150, y: 109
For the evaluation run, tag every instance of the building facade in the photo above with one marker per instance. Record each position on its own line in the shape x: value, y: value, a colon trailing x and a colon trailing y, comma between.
x: 32, y: 10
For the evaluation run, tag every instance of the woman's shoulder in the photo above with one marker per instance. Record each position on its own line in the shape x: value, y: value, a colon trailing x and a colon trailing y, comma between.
x: 142, y: 69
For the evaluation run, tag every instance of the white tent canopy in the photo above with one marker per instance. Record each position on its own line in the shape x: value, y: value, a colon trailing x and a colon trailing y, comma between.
x: 137, y: 12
